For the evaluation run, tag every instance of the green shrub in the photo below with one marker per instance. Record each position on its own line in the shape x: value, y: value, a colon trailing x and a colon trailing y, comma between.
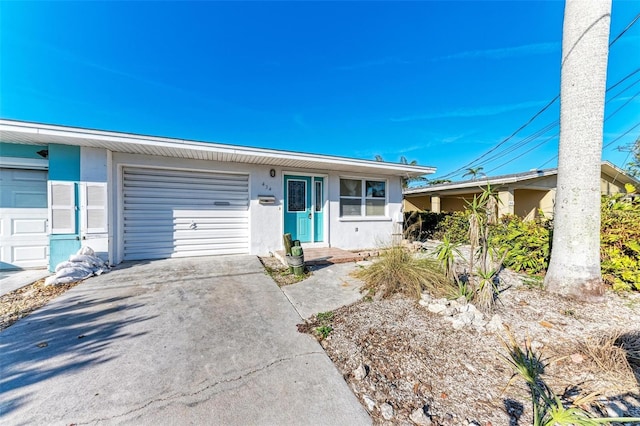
x: 420, y: 226
x: 456, y: 226
x: 527, y: 243
x: 620, y: 242
x: 398, y: 271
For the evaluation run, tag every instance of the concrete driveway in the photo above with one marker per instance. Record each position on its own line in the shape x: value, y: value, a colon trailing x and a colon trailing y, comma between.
x: 181, y: 341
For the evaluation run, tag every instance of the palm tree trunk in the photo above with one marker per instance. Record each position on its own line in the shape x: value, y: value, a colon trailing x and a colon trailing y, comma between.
x: 574, y: 269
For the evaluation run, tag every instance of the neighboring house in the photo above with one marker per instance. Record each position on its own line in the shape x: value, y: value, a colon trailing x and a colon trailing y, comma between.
x: 523, y: 194
x: 133, y: 197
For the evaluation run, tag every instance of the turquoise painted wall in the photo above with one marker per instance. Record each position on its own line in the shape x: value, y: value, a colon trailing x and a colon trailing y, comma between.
x: 64, y: 162
x: 20, y: 151
x: 64, y: 165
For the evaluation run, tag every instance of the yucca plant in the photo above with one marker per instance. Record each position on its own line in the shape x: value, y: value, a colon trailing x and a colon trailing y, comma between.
x: 446, y: 253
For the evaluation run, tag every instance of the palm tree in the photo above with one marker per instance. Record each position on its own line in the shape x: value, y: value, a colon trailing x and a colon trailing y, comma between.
x: 574, y: 268
x: 474, y: 172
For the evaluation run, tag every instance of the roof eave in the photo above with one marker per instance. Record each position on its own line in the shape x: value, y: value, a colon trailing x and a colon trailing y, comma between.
x: 131, y: 143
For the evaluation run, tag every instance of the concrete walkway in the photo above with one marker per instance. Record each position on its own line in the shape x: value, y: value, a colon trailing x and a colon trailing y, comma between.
x: 180, y: 341
x: 13, y: 280
x: 330, y: 287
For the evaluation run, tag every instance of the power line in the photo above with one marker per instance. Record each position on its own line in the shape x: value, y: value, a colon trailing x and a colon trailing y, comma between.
x: 503, y: 141
x: 605, y: 146
x: 625, y: 29
x: 621, y: 136
x: 622, y: 106
x: 536, y: 115
x: 531, y: 138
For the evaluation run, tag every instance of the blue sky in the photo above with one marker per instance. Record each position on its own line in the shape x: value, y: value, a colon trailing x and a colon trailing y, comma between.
x: 437, y: 82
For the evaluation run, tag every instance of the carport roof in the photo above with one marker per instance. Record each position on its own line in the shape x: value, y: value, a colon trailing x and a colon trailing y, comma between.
x: 22, y: 132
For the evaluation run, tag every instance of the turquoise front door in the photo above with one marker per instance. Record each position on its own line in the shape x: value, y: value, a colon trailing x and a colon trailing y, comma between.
x: 303, y: 208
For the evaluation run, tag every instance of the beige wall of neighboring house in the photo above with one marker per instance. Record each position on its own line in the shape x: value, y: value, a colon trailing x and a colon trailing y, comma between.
x: 527, y: 194
x: 529, y: 203
x: 609, y: 185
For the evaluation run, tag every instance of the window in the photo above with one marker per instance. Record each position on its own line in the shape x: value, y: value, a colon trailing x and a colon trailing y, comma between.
x: 361, y: 197
x: 318, y: 204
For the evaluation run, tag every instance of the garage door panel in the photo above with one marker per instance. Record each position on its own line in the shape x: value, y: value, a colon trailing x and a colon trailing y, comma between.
x: 23, y: 219
x: 183, y: 238
x: 30, y: 226
x: 177, y: 213
x: 168, y: 224
x: 184, y: 183
x: 180, y: 202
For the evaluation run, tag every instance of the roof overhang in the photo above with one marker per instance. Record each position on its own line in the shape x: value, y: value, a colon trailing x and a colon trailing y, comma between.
x: 21, y: 132
x: 618, y: 174
x: 477, y: 184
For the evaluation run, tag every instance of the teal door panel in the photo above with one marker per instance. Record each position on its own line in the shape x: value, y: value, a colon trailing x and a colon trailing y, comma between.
x: 318, y: 209
x: 61, y: 247
x: 297, y: 207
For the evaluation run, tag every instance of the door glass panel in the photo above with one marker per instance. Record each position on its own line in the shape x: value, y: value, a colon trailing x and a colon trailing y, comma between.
x: 318, y: 206
x: 296, y: 196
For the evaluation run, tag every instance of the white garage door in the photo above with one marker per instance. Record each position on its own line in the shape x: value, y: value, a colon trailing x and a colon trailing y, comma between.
x: 176, y: 213
x: 23, y: 218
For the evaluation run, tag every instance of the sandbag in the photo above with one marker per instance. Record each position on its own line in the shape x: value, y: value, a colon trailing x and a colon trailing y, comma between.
x: 80, y: 266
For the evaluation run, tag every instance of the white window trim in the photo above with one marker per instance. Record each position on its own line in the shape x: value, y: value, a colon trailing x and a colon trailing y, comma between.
x: 363, y: 200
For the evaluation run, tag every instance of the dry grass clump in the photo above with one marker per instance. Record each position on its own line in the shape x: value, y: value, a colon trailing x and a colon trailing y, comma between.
x: 614, y: 353
x: 398, y: 271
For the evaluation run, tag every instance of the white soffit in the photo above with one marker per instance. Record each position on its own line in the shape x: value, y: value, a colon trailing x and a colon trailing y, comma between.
x: 42, y: 134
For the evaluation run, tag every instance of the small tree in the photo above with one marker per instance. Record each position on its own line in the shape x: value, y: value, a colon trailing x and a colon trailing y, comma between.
x: 633, y: 168
x: 474, y: 172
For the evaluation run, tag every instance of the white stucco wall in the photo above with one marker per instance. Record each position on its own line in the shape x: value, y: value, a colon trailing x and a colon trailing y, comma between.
x: 265, y: 221
x: 362, y: 233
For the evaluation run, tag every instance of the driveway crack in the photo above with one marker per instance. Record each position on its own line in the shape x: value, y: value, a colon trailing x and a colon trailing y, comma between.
x: 205, y: 388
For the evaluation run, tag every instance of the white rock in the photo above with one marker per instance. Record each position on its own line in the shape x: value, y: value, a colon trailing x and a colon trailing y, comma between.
x: 450, y: 311
x: 436, y: 308
x: 387, y: 411
x: 419, y: 417
x: 480, y: 324
x: 536, y: 345
x: 466, y: 317
x: 457, y: 324
x: 370, y: 403
x: 470, y: 368
x: 360, y: 372
x: 495, y: 324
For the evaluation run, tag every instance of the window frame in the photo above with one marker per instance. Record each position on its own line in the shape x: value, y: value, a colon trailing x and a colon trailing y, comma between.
x: 364, y: 198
